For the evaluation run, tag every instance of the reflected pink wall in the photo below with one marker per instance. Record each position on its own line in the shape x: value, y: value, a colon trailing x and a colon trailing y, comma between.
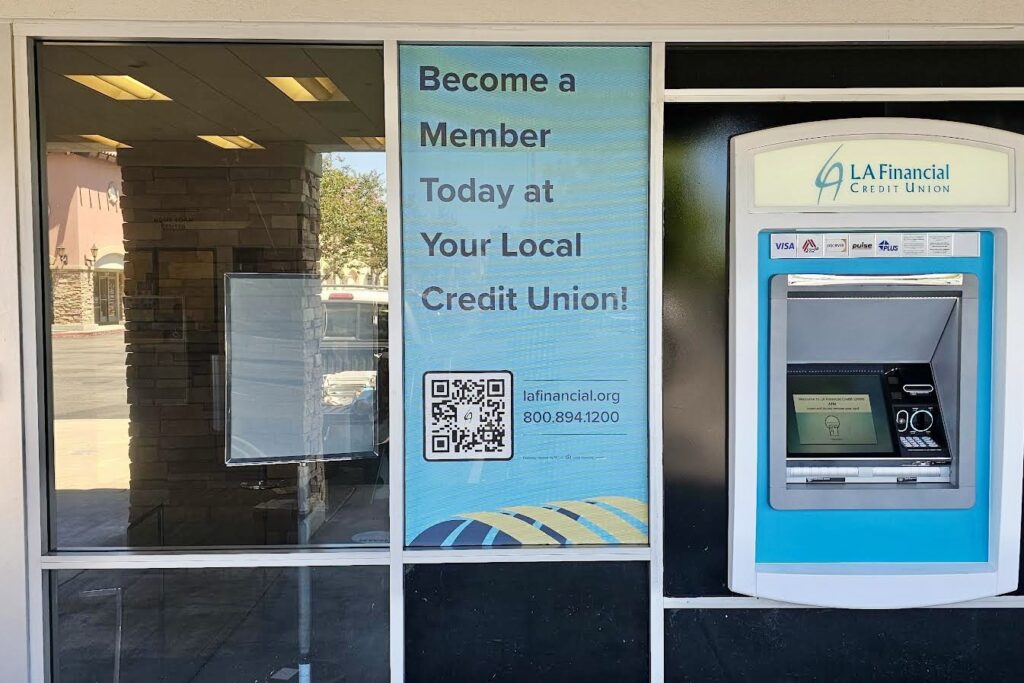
x: 80, y: 213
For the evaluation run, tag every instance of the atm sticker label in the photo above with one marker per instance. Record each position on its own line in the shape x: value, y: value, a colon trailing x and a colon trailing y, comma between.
x: 915, y: 244
x: 809, y: 246
x: 862, y: 246
x: 837, y: 246
x: 940, y: 244
x: 888, y: 244
x: 874, y: 245
x: 783, y: 246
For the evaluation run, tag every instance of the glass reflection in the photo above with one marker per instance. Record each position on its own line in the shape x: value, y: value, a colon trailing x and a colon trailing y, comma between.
x: 255, y: 624
x: 160, y: 437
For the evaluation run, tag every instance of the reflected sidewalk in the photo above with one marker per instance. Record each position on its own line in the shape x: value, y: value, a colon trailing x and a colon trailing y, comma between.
x: 91, y: 454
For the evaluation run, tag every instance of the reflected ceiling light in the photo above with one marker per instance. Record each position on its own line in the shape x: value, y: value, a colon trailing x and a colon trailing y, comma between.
x: 105, y: 141
x: 120, y: 87
x: 230, y: 141
x: 308, y: 88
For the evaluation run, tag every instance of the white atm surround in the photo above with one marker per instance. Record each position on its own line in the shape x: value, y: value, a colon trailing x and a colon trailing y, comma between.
x: 876, y: 585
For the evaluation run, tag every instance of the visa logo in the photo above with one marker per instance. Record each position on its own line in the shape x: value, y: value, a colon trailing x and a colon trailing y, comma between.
x: 785, y: 246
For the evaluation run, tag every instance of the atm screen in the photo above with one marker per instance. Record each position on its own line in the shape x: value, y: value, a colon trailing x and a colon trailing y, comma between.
x: 838, y: 414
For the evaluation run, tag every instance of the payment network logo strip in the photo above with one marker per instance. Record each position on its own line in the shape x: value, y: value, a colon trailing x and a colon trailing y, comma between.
x: 874, y: 245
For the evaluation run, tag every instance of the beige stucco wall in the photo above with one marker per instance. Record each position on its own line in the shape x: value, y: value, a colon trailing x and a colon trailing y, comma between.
x: 79, y: 212
x: 654, y: 12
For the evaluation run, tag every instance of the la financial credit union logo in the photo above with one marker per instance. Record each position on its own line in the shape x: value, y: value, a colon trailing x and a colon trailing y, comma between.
x: 879, y: 177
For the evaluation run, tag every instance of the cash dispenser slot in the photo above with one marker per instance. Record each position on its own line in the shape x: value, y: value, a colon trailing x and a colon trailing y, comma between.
x: 867, y: 387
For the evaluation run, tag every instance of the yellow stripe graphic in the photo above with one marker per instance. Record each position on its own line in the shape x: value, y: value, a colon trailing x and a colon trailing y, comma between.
x: 516, y: 528
x: 562, y: 524
x: 621, y: 530
x: 630, y: 506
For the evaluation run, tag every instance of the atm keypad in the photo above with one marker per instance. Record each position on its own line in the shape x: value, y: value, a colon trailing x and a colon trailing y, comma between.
x: 918, y: 442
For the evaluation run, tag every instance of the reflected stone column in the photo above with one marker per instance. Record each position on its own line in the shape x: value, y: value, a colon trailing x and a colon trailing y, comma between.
x: 192, y: 213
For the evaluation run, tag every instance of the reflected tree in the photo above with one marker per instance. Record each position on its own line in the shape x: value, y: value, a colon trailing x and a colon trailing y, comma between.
x: 353, y: 222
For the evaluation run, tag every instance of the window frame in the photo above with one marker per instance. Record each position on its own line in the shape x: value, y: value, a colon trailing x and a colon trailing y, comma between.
x: 34, y: 426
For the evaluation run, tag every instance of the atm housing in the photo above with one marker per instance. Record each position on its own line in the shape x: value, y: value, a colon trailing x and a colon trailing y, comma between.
x: 870, y: 393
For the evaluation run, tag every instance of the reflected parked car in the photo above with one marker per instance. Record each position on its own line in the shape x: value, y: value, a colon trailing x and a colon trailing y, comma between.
x: 354, y: 354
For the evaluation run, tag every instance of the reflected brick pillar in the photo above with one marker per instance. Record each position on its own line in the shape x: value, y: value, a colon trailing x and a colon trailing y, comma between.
x: 72, y: 297
x: 192, y: 213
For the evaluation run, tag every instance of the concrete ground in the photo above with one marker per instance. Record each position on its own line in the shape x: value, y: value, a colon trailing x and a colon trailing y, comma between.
x: 89, y: 376
x: 90, y: 439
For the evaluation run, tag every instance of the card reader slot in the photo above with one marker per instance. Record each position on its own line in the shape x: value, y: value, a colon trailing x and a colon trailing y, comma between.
x: 905, y: 471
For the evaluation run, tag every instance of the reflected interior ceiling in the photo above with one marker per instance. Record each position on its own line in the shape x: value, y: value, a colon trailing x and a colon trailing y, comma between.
x: 214, y: 89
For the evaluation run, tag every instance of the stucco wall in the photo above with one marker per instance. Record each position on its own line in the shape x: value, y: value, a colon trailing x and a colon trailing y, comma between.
x: 656, y: 12
x: 79, y: 212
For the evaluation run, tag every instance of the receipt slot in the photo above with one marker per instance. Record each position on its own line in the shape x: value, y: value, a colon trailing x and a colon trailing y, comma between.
x: 876, y: 357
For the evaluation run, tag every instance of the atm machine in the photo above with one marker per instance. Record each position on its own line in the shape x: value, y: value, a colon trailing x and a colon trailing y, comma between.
x: 876, y: 411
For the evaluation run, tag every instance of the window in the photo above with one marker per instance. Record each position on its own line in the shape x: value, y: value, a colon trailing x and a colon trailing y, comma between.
x: 169, y: 169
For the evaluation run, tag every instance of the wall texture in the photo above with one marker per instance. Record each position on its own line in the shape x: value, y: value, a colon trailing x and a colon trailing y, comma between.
x: 652, y: 12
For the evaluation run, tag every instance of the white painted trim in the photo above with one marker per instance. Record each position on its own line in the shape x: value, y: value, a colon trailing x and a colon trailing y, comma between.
x: 396, y: 365
x: 844, y: 94
x: 744, y: 602
x: 504, y: 555
x: 241, y: 558
x: 14, y: 565
x: 655, y: 281
x: 30, y: 335
x: 331, y: 32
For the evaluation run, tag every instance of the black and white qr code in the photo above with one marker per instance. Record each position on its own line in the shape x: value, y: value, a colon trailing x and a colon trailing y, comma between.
x: 467, y: 415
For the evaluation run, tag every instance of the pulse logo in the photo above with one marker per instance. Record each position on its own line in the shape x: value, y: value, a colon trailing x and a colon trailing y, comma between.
x: 830, y: 176
x: 887, y: 246
x: 809, y: 246
x: 862, y: 247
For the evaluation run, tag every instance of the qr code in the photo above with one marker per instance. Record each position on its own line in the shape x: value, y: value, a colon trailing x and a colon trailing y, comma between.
x: 467, y: 415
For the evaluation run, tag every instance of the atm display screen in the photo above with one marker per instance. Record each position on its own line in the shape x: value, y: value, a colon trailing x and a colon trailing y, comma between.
x: 838, y: 414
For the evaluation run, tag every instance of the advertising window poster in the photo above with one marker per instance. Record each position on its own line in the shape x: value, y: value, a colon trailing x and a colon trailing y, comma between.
x: 525, y: 179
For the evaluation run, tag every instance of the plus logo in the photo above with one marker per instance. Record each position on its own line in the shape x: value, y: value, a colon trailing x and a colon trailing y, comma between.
x: 888, y: 247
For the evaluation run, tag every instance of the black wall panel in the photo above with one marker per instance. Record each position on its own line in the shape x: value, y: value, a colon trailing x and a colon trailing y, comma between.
x: 833, y: 646
x: 850, y: 65
x: 586, y: 621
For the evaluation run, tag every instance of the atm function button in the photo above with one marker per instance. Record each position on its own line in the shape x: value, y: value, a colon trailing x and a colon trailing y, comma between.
x: 921, y: 420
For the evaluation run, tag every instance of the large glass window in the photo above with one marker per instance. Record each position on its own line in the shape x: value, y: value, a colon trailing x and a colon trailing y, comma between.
x: 220, y: 625
x: 217, y: 306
